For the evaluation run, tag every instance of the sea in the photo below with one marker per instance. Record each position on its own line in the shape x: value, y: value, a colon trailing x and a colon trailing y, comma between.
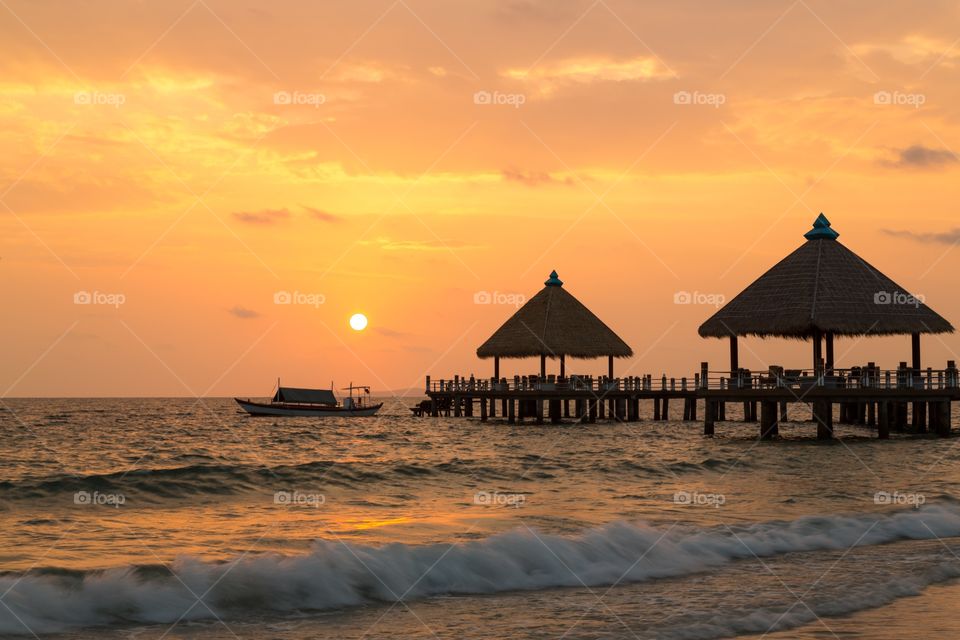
x: 185, y: 518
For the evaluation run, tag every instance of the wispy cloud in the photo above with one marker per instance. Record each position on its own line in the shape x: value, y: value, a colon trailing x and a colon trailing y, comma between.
x: 243, y: 313
x: 534, y: 178
x: 391, y: 333
x: 934, y: 237
x: 588, y: 70
x: 320, y: 214
x: 267, y: 216
x: 918, y: 156
x: 391, y: 244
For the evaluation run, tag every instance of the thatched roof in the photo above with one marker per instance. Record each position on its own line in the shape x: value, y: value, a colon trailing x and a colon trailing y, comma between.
x: 554, y: 323
x: 827, y: 287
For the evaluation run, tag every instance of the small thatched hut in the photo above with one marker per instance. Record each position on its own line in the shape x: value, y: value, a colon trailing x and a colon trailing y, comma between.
x: 554, y: 324
x: 819, y: 291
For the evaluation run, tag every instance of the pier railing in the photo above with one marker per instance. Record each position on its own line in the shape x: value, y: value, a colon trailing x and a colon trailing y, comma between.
x: 853, y: 378
x: 596, y: 384
x: 869, y: 377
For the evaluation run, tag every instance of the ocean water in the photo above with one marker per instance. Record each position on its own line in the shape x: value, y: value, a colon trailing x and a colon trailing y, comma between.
x: 178, y: 518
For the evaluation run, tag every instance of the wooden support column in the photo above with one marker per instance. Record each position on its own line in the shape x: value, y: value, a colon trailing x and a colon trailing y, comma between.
x: 783, y: 411
x: 543, y: 367
x: 823, y: 414
x: 919, y: 417
x: 693, y: 408
x: 883, y: 419
x: 829, y: 366
x: 563, y: 376
x: 709, y: 409
x: 433, y: 408
x: 734, y: 355
x: 610, y: 367
x: 496, y: 367
x: 511, y: 409
x: 768, y: 419
x: 656, y: 408
x: 943, y: 418
x: 593, y: 402
x: 817, y: 350
x: 554, y: 411
x: 483, y: 410
x: 538, y: 409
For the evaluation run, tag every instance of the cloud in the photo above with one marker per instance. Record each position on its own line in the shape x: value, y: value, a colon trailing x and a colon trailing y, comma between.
x: 921, y: 157
x: 267, y: 216
x: 588, y: 70
x: 391, y: 333
x: 390, y: 244
x: 911, y: 50
x: 533, y: 178
x: 243, y: 313
x: 320, y: 214
x: 932, y: 237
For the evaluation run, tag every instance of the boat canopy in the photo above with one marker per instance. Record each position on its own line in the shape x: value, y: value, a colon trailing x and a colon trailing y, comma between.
x: 305, y: 396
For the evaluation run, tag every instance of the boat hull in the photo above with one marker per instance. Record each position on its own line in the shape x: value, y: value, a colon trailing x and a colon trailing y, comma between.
x: 281, y: 409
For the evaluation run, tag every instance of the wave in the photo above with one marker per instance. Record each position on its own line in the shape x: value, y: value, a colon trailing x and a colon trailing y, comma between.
x: 204, y: 475
x: 337, y: 575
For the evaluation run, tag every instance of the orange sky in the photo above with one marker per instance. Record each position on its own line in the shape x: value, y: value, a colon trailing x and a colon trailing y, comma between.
x: 197, y: 158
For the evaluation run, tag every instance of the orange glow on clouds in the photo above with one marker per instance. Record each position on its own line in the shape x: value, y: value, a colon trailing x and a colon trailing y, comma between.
x: 246, y: 175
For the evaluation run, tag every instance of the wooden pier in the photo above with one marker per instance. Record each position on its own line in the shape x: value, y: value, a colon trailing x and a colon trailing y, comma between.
x: 900, y: 400
x: 820, y: 292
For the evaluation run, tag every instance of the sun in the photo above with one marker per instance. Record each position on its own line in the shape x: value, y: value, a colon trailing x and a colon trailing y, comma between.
x: 358, y: 322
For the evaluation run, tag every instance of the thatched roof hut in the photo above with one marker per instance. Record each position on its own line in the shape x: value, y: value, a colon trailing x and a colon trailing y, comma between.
x: 554, y: 324
x: 823, y: 289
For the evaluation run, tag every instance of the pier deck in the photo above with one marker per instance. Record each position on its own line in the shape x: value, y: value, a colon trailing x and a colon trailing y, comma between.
x: 900, y: 399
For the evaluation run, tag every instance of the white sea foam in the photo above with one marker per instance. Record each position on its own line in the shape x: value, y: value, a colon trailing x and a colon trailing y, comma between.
x: 336, y: 575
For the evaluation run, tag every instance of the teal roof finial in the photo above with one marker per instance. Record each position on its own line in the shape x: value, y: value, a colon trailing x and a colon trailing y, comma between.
x: 821, y: 230
x: 554, y: 280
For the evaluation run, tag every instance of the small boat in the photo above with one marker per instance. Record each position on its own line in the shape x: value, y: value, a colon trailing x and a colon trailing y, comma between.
x: 291, y: 401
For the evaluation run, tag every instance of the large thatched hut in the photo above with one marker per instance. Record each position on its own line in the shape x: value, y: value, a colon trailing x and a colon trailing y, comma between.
x: 822, y: 290
x: 554, y: 324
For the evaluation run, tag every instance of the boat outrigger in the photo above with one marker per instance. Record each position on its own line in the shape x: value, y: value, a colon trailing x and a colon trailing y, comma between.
x: 291, y: 401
